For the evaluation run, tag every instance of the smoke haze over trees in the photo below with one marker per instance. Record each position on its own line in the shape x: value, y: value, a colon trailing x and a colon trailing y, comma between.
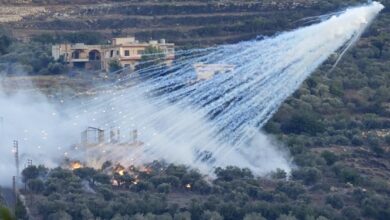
x: 336, y: 127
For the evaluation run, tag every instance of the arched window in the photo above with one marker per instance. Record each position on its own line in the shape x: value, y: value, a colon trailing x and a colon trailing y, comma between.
x: 94, y: 55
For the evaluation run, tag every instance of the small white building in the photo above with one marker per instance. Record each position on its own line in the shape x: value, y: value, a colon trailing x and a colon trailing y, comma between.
x: 208, y: 71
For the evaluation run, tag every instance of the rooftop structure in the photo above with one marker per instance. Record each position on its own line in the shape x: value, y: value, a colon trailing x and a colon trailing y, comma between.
x: 208, y: 71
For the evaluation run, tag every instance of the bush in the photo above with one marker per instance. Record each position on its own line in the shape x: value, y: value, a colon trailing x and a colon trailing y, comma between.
x: 164, y: 188
x: 141, y: 186
x: 357, y: 140
x: 20, y: 210
x: 60, y: 215
x: 308, y: 175
x: 233, y: 173
x: 329, y: 157
x: 335, y: 201
x: 182, y: 216
x: 279, y: 174
x: 347, y: 175
x: 377, y: 207
x: 36, y: 185
x: 387, y: 139
x: 114, y: 65
x: 291, y: 189
x: 254, y: 216
x: 5, y: 214
x: 351, y: 213
x: 171, y: 180
x: 303, y: 123
x: 286, y: 217
x: 56, y: 68
x: 77, y: 37
x: 152, y: 56
x: 5, y: 43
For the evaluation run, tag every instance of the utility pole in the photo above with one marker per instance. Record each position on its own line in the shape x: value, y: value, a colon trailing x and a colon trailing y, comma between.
x: 14, y: 185
x: 16, y: 153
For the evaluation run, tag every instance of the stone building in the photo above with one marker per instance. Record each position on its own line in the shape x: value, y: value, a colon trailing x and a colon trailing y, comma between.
x: 128, y: 51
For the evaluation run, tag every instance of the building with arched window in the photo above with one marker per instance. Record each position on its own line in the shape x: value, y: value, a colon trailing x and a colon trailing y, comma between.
x: 127, y: 51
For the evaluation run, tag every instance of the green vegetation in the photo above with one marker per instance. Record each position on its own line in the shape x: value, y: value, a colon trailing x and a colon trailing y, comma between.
x: 114, y: 65
x: 34, y: 57
x: 5, y: 42
x: 77, y: 37
x: 5, y: 214
x: 336, y: 127
x: 152, y: 56
x: 167, y: 191
x: 30, y: 58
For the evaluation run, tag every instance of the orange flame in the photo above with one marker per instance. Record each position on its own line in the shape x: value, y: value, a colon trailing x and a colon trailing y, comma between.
x: 75, y: 165
x: 119, y: 169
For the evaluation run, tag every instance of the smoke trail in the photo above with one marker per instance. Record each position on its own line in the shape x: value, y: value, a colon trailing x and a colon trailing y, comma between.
x: 201, y: 118
x: 215, y: 122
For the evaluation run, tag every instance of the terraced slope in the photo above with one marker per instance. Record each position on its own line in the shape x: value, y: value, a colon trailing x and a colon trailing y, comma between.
x: 184, y: 22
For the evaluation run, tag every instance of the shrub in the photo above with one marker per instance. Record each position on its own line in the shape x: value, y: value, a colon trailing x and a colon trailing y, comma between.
x: 346, y: 174
x: 335, y: 201
x: 5, y: 214
x: 36, y: 185
x: 351, y: 213
x: 308, y: 175
x: 152, y: 56
x: 377, y: 207
x: 164, y: 188
x: 114, y: 65
x: 56, y: 68
x: 329, y: 157
x: 5, y: 43
x: 254, y: 216
x: 232, y: 173
x: 357, y: 140
x: 20, y: 210
x: 387, y: 139
x: 209, y: 215
x: 279, y: 174
x: 291, y: 189
x: 182, y: 216
x: 286, y: 217
x: 303, y: 123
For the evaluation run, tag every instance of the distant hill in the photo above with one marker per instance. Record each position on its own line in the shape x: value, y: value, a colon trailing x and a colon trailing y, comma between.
x: 196, y: 22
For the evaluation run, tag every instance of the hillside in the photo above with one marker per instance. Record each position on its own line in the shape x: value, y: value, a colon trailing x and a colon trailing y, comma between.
x: 183, y: 22
x: 336, y: 126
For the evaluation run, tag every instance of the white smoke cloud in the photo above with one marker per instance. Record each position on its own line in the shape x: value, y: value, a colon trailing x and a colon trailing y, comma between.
x: 42, y: 132
x: 204, y: 124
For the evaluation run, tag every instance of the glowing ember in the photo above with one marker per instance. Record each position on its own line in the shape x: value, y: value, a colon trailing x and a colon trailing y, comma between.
x: 114, y: 183
x: 75, y: 165
x: 144, y: 169
x: 119, y: 169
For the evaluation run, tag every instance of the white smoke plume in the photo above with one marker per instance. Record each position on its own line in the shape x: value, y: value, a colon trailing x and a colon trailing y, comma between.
x: 179, y: 118
x: 43, y: 134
